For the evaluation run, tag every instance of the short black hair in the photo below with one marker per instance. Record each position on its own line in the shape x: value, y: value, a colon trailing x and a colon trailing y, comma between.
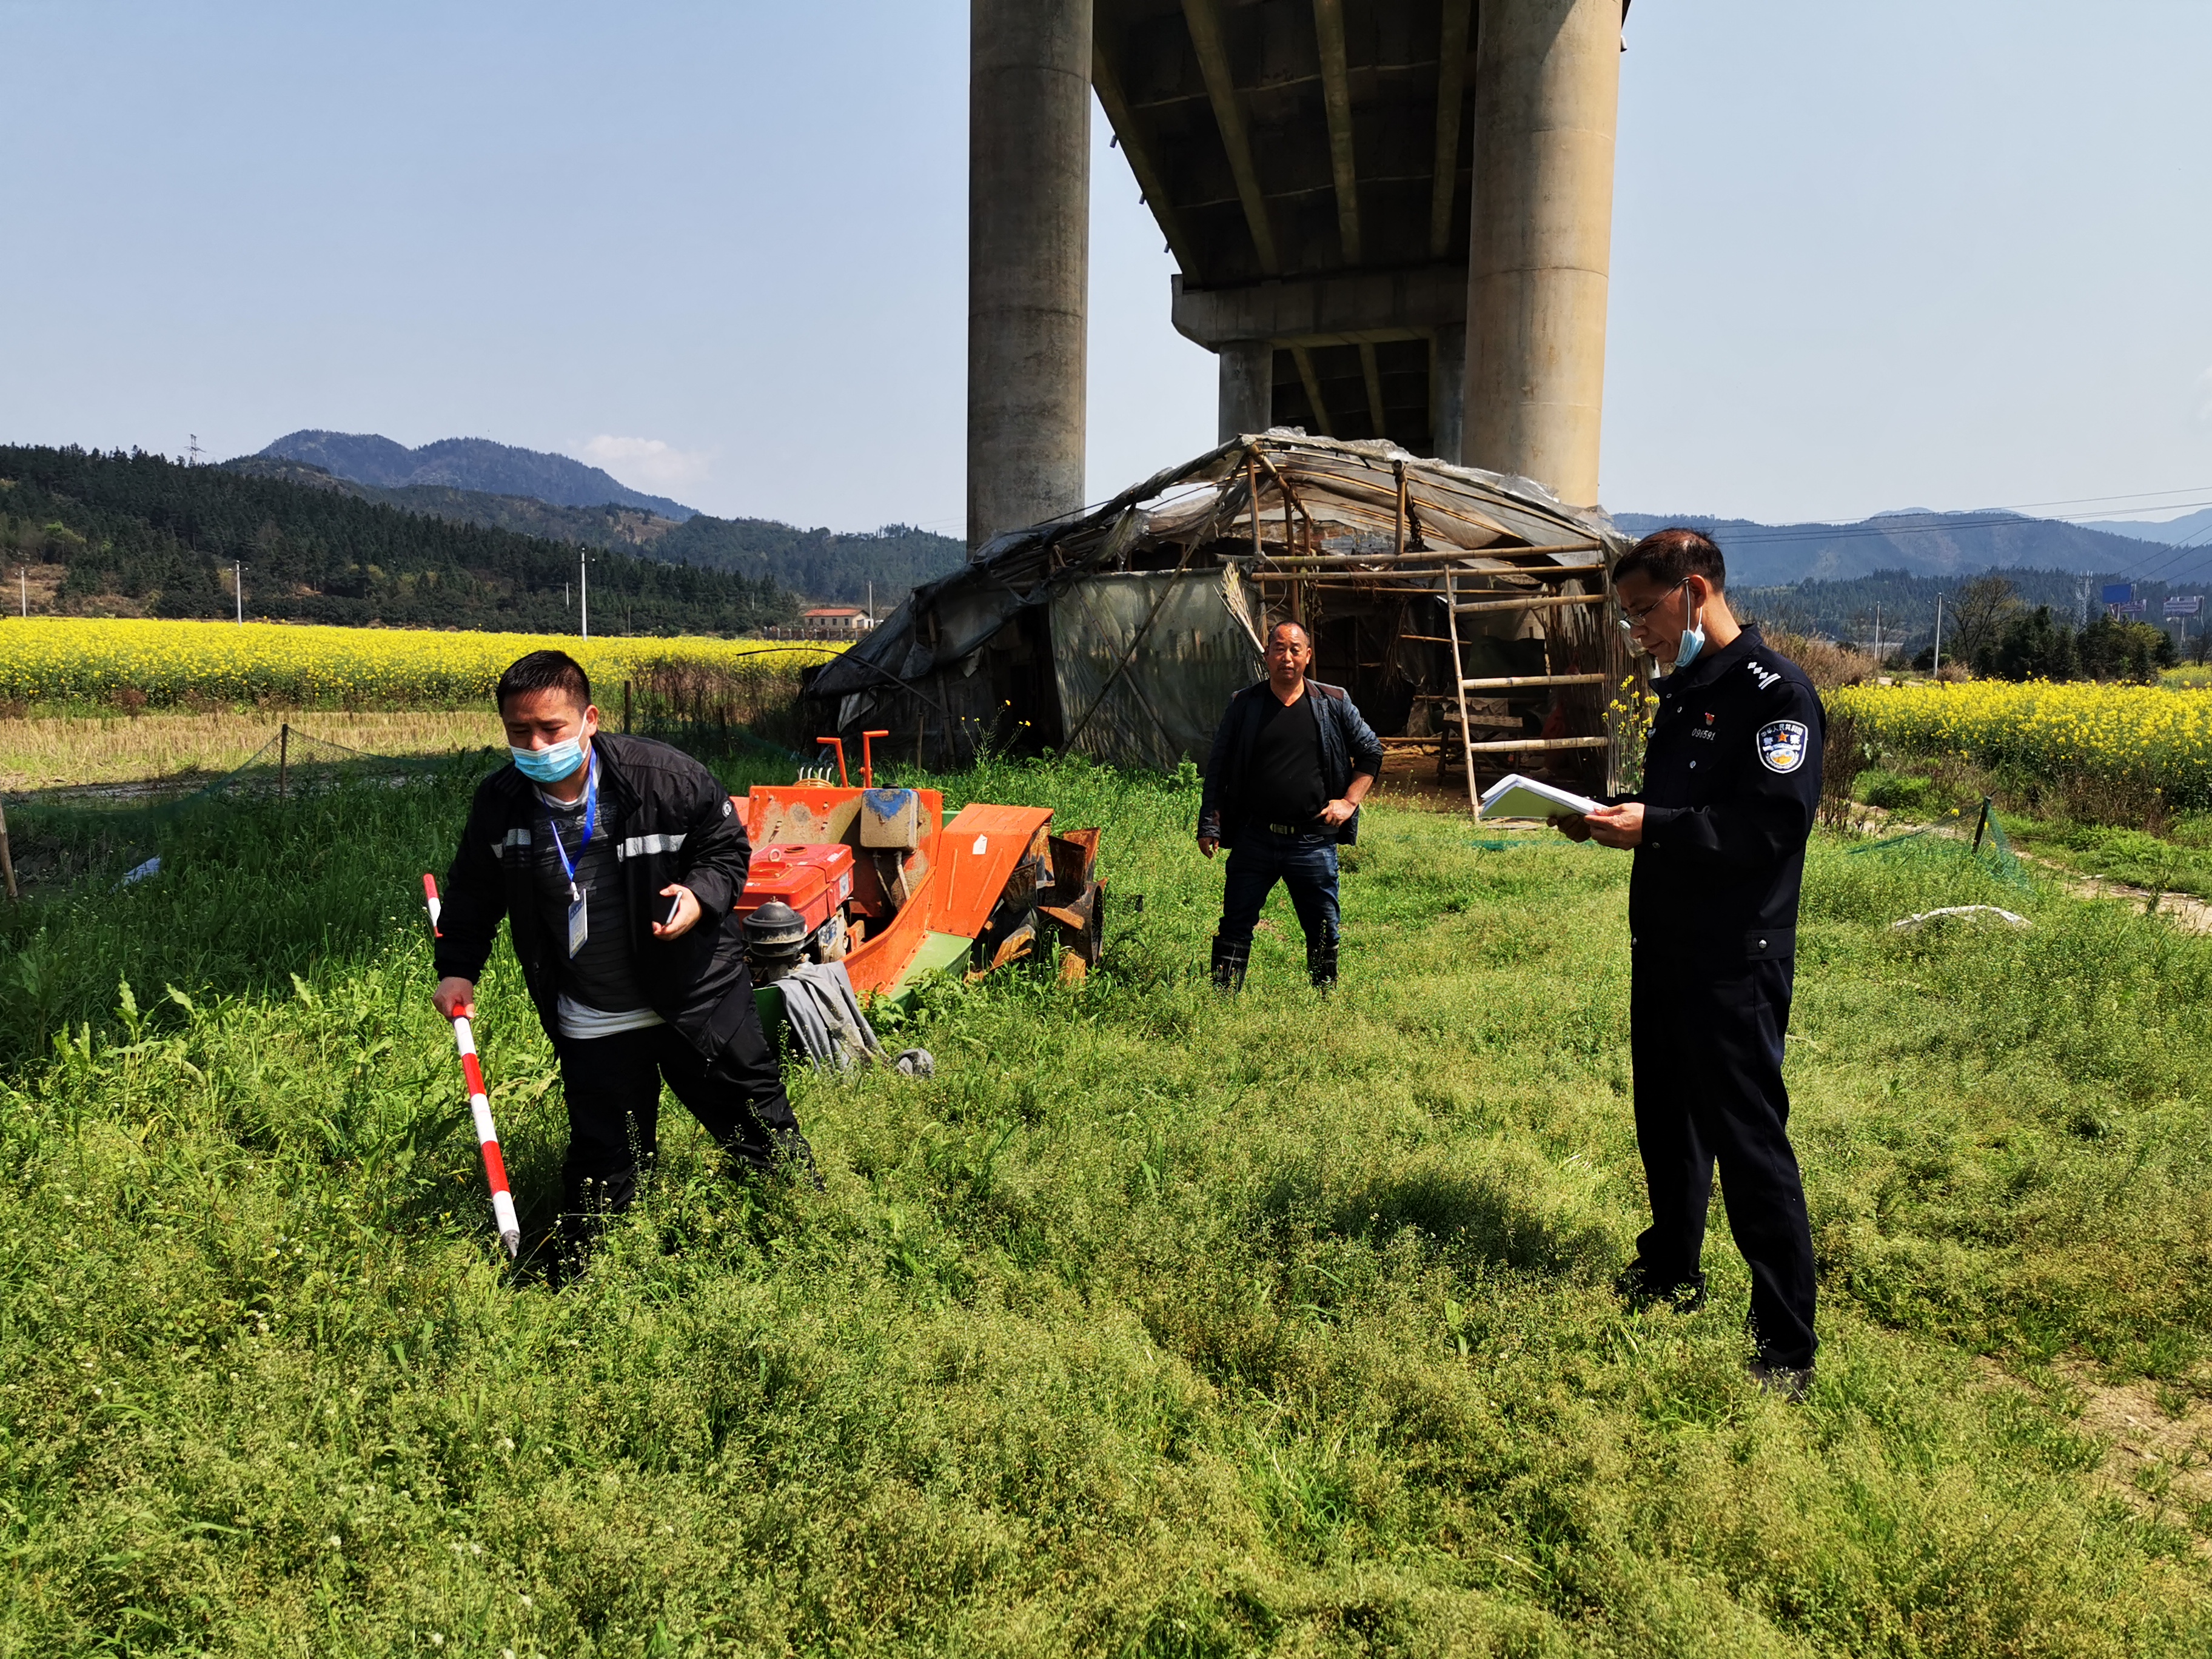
x: 1281, y: 622
x: 543, y: 671
x: 1667, y: 555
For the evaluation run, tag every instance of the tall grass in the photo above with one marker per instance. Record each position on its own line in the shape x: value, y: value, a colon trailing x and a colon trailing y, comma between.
x: 1151, y: 1325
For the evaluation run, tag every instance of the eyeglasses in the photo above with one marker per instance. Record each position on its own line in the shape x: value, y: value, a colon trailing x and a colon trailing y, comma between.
x: 1633, y: 620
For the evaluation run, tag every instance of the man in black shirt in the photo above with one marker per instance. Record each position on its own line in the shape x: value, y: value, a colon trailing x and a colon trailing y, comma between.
x: 617, y: 862
x: 1731, y: 783
x: 1291, y: 763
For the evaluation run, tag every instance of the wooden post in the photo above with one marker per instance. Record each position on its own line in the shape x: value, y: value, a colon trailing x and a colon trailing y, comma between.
x: 283, y: 757
x: 1252, y: 484
x: 625, y: 708
x: 7, y: 863
x: 1399, y: 467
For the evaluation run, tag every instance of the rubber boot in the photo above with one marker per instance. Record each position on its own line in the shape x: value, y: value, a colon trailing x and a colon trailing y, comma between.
x: 1321, y: 961
x: 1230, y: 962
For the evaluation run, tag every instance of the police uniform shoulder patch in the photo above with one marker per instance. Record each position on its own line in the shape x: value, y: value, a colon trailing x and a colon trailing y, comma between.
x: 1782, y: 745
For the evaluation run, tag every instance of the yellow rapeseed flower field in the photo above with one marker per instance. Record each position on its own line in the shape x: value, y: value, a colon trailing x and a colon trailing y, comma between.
x: 2140, y: 734
x: 60, y: 659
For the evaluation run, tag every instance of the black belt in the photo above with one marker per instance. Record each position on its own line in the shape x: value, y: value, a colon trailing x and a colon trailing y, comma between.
x: 1753, y: 945
x: 1291, y: 829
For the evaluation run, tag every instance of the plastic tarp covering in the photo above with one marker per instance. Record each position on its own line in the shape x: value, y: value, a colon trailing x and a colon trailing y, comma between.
x: 1200, y: 649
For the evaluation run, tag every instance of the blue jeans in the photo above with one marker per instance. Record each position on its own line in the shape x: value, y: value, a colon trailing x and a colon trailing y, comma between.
x: 1304, y: 864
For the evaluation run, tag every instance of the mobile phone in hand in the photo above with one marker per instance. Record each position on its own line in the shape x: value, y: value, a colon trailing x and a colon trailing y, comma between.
x: 675, y: 904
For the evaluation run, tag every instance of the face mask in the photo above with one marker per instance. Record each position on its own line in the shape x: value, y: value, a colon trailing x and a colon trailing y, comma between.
x: 549, y: 764
x: 1693, y: 641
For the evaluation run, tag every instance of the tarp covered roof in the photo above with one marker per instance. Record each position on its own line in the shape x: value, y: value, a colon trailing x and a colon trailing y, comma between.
x: 1344, y: 495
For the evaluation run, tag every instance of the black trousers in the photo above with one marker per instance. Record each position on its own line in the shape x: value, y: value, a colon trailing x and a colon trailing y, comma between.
x: 613, y: 1086
x: 1706, y: 1041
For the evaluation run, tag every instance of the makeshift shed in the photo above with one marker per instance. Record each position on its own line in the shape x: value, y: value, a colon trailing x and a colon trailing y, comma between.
x: 1467, y: 612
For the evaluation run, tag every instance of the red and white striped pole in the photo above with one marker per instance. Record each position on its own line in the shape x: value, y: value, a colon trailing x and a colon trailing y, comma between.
x: 465, y: 1039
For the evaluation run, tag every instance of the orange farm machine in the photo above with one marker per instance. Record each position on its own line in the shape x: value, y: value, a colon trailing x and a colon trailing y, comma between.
x: 889, y: 883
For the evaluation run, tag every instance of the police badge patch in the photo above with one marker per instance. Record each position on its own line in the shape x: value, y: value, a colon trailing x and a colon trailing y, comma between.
x: 1782, y: 745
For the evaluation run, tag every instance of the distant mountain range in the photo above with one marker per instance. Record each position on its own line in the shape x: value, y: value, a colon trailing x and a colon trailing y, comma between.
x: 1845, y: 580
x: 499, y: 486
x: 474, y: 464
x: 555, y: 498
x: 1927, y: 543
x: 2188, y: 527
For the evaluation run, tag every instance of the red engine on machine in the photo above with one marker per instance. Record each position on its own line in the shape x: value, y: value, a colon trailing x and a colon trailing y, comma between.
x: 816, y: 881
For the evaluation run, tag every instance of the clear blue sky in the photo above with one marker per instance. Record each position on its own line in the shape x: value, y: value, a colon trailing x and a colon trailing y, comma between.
x: 1865, y: 257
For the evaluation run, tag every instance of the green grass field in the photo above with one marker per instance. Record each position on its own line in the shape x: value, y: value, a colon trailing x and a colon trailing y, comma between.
x: 1152, y: 1325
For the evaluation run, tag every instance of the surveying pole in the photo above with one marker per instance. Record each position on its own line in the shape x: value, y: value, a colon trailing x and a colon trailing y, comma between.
x: 583, y: 596
x: 465, y: 1039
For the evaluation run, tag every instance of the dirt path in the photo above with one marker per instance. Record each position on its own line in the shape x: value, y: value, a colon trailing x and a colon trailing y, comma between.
x: 2190, y: 914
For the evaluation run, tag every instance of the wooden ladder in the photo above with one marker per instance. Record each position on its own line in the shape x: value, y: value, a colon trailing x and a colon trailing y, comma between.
x: 1455, y: 608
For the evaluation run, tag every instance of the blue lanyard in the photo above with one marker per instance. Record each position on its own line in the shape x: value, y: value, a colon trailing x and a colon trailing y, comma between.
x: 591, y: 822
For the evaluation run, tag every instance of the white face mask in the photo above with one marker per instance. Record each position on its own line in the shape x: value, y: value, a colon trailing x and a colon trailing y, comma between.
x: 1693, y: 638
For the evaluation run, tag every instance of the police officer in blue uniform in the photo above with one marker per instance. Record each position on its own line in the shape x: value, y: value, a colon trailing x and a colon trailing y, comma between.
x: 1732, y: 780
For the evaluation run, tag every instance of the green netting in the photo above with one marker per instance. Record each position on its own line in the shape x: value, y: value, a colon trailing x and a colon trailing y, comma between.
x: 291, y: 763
x: 1987, y: 845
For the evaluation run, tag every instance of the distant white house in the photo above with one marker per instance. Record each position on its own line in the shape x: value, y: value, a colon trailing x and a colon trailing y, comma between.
x: 825, y: 622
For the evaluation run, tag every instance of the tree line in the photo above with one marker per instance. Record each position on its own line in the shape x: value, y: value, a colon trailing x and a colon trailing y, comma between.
x: 163, y: 536
x: 1988, y: 630
x: 826, y: 565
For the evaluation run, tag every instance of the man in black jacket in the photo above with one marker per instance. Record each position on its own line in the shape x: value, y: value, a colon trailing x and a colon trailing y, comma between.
x: 617, y: 862
x: 1292, y: 762
x: 1732, y: 781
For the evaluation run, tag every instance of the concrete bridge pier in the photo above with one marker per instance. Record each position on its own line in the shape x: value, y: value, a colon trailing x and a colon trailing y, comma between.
x: 1246, y: 388
x: 1029, y: 252
x: 1546, y: 97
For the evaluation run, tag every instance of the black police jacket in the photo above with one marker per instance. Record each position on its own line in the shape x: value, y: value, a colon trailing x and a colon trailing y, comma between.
x: 1348, y: 747
x: 1731, y: 783
x: 676, y: 825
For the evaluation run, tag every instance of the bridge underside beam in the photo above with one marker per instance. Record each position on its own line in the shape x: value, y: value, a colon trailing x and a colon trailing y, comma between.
x: 1392, y: 217
x: 1367, y: 340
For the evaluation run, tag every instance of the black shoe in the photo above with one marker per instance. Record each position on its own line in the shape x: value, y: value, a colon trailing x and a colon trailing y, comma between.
x: 1230, y: 962
x: 1641, y: 1293
x: 1790, y: 1382
x: 1321, y: 963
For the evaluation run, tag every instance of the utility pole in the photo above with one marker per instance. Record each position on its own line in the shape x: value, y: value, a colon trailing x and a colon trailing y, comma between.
x: 238, y: 586
x: 583, y: 596
x: 1878, y: 658
x: 2084, y: 621
x: 1937, y: 671
x: 872, y: 604
x: 194, y: 451
x: 23, y: 582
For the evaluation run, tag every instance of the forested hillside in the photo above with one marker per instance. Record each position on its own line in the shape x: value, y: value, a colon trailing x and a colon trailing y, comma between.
x: 137, y: 534
x: 821, y: 564
x: 1905, y: 604
x: 470, y: 464
x: 629, y: 528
